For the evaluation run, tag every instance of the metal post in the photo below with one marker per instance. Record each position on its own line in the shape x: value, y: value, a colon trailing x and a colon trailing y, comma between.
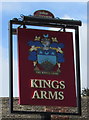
x: 46, y: 116
x: 78, y: 69
x: 10, y: 67
x: 64, y: 29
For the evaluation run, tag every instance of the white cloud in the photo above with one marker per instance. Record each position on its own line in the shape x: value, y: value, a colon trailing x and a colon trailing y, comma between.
x: 83, y: 54
x: 0, y: 71
x: 4, y: 74
x: 15, y: 79
x: 67, y: 17
x: 5, y: 77
x: 0, y: 57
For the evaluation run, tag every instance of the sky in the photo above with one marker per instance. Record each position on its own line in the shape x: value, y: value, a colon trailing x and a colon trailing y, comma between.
x: 64, y: 10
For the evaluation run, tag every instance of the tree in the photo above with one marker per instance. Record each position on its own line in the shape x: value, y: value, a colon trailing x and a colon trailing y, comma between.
x: 85, y: 92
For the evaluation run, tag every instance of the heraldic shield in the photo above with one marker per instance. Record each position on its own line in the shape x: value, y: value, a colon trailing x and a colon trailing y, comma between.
x: 46, y: 54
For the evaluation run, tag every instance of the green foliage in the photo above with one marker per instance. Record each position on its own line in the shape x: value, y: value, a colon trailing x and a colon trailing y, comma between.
x: 85, y: 92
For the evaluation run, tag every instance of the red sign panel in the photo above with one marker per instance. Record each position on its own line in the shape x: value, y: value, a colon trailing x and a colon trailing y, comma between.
x: 43, y: 13
x: 46, y: 68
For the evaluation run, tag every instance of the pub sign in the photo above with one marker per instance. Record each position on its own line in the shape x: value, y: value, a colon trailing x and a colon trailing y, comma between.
x: 46, y: 68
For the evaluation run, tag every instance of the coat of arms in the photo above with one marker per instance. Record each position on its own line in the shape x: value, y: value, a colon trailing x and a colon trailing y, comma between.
x: 46, y: 54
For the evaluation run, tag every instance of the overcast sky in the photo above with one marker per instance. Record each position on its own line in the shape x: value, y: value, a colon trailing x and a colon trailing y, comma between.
x: 68, y: 10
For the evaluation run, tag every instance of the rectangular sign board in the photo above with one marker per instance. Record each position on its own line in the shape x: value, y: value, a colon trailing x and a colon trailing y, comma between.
x: 46, y: 68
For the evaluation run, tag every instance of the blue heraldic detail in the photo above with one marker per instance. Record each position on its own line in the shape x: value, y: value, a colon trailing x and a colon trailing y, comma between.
x: 47, y: 55
x: 35, y: 43
x: 33, y: 56
x: 59, y: 57
x: 56, y: 45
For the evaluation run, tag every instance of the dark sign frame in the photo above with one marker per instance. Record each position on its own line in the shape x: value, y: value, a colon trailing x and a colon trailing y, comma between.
x: 45, y: 22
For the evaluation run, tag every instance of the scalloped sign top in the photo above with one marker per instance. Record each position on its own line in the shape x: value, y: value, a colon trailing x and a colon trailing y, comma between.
x: 43, y: 13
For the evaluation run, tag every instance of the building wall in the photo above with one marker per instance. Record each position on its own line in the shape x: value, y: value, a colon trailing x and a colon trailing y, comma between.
x: 5, y: 114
